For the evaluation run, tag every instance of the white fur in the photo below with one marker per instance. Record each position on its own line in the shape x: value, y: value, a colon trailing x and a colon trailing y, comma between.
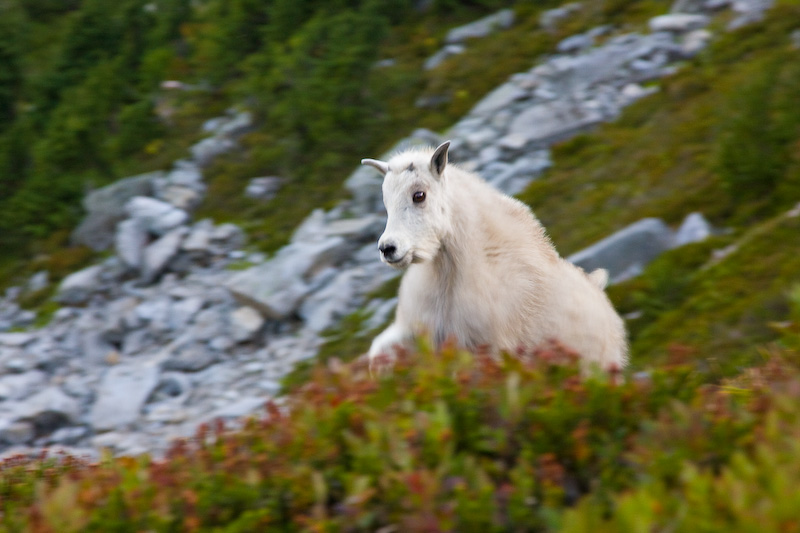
x: 482, y: 271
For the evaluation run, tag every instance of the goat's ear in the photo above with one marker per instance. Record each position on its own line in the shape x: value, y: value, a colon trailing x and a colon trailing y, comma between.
x: 382, y: 166
x: 439, y: 159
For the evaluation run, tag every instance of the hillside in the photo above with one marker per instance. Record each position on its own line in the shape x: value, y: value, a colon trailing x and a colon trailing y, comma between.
x: 189, y: 301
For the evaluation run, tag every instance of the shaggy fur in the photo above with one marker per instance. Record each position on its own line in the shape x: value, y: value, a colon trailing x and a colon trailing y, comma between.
x: 481, y: 269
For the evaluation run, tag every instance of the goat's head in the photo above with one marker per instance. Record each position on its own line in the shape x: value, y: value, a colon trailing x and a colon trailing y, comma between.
x: 416, y: 200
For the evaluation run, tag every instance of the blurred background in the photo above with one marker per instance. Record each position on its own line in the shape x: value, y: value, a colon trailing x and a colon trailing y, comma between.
x: 683, y: 133
x: 186, y: 234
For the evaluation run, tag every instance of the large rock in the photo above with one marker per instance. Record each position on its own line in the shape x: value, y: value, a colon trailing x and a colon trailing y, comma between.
x: 544, y: 124
x: 183, y: 187
x: 625, y: 253
x: 47, y: 410
x: 749, y: 11
x: 76, y: 288
x: 105, y: 208
x: 206, y: 150
x: 519, y: 174
x: 237, y: 124
x: 694, y: 228
x: 130, y: 242
x: 263, y: 188
x: 159, y: 253
x: 16, y: 339
x: 227, y: 237
x: 277, y: 287
x: 481, y: 28
x: 16, y: 433
x: 154, y: 215
x: 245, y: 323
x: 18, y: 386
x: 326, y: 307
x: 122, y: 394
x: 190, y: 357
x: 575, y: 43
x: 198, y: 241
x: 499, y: 98
x: 678, y: 22
x: 550, y: 19
x: 443, y: 55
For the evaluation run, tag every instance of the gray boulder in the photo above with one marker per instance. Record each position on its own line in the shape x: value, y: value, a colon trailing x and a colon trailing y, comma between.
x: 264, y: 188
x: 627, y: 251
x: 748, y: 12
x: 519, y: 174
x: 16, y: 433
x: 245, y: 406
x: 499, y: 98
x: 16, y: 339
x: 159, y: 253
x: 76, y: 288
x: 18, y: 386
x: 575, y: 43
x: 155, y: 216
x: 130, y: 242
x: 183, y: 187
x: 182, y: 312
x: 38, y: 281
x: 198, y: 241
x: 692, y: 6
x: 482, y: 27
x: 238, y: 124
x: 678, y: 22
x: 123, y: 392
x: 105, y: 208
x: 245, y: 323
x: 277, y: 287
x: 544, y: 124
x: 550, y: 19
x: 324, y: 308
x: 205, y: 151
x: 182, y: 197
x: 47, y: 410
x: 443, y: 55
x: 227, y: 237
x: 190, y: 357
x: 694, y: 228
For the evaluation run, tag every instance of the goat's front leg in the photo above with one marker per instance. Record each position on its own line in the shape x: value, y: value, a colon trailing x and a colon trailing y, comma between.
x: 385, y: 346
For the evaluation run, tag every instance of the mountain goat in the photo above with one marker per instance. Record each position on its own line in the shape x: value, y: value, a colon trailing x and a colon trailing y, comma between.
x: 481, y: 270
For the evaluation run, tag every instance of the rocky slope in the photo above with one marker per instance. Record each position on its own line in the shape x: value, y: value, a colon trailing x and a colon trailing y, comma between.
x: 181, y: 325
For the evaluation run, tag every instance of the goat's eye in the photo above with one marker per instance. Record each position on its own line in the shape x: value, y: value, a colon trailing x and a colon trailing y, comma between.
x: 418, y: 197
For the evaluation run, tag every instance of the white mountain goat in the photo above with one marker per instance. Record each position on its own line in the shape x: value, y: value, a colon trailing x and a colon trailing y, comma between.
x: 481, y: 269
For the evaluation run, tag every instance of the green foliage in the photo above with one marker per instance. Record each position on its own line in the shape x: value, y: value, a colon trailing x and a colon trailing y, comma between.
x: 11, y: 35
x: 452, y: 442
x: 303, y: 103
x: 47, y: 9
x: 752, y: 491
x: 759, y: 125
x: 74, y: 106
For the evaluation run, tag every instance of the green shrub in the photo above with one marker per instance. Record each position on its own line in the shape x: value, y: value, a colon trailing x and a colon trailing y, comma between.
x: 752, y: 153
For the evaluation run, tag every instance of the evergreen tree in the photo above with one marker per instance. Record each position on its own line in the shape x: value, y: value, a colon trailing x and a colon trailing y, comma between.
x: 12, y: 29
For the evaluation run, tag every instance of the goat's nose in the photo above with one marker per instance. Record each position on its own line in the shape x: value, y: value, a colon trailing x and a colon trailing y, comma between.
x: 387, y: 250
